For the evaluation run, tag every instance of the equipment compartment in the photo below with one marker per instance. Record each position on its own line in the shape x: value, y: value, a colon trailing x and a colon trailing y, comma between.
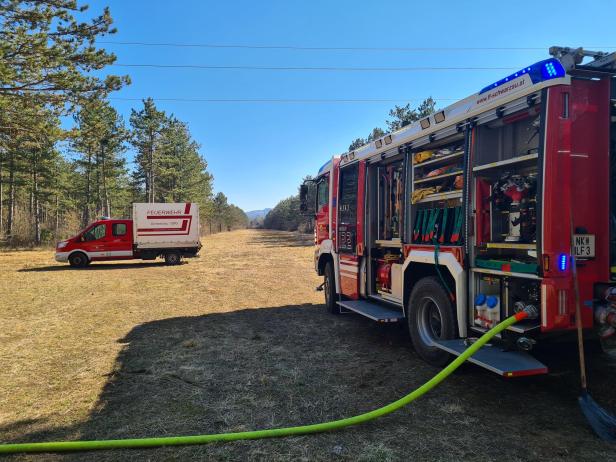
x: 438, y: 182
x: 505, y: 177
x: 504, y: 186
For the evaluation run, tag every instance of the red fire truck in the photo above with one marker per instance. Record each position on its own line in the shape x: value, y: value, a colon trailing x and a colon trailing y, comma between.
x: 163, y: 230
x: 478, y: 211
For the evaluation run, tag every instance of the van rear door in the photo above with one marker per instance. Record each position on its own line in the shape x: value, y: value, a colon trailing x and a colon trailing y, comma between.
x: 120, y: 243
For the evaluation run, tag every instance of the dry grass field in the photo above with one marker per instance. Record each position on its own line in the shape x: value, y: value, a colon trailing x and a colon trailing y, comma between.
x: 239, y: 340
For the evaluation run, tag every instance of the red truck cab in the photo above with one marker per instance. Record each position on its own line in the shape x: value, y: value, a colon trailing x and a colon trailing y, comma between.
x: 105, y: 239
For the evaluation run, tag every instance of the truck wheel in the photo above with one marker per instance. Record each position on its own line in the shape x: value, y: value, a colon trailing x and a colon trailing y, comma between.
x: 78, y: 260
x: 329, y: 288
x: 430, y: 317
x: 173, y: 258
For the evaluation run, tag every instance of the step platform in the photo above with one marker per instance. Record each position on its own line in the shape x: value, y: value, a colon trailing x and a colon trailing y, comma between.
x: 372, y: 310
x: 493, y: 358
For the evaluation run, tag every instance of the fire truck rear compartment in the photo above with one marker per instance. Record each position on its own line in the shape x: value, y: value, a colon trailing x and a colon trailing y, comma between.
x: 504, y: 175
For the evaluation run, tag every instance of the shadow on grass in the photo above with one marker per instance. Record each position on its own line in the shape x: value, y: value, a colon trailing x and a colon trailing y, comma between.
x: 96, y: 266
x: 293, y: 365
x: 281, y: 239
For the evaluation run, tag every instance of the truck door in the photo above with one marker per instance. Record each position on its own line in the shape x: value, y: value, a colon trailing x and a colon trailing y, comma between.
x: 94, y: 241
x: 120, y: 243
x: 350, y: 241
x: 321, y: 228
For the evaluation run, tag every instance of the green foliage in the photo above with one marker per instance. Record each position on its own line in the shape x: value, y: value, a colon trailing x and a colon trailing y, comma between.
x: 100, y: 142
x: 181, y: 171
x: 147, y: 126
x: 49, y: 65
x: 375, y: 134
x: 400, y: 117
x: 46, y: 51
x: 357, y: 143
x: 286, y: 214
x: 225, y: 216
x: 404, y: 115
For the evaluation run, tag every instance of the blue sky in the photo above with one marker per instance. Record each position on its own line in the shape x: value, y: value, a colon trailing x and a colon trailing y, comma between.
x: 258, y: 152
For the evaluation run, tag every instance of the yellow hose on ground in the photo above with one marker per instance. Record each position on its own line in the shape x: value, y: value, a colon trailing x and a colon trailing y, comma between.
x: 64, y: 446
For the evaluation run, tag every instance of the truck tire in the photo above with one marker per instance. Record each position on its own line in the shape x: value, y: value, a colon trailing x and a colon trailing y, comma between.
x: 78, y: 260
x: 173, y: 258
x: 431, y: 316
x: 329, y: 289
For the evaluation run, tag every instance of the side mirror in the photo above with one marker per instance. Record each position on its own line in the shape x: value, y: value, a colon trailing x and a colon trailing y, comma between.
x: 303, y: 198
x: 82, y: 238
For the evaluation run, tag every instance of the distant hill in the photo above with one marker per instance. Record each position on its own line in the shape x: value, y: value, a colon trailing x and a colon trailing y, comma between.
x: 256, y: 214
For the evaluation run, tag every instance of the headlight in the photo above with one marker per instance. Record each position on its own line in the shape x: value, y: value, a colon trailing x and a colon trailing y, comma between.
x: 62, y: 244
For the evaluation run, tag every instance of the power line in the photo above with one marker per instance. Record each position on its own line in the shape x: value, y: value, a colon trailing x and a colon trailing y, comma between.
x: 283, y: 100
x: 307, y: 48
x: 320, y: 68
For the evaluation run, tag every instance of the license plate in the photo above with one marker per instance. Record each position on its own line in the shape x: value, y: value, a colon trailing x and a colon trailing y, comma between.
x: 584, y: 245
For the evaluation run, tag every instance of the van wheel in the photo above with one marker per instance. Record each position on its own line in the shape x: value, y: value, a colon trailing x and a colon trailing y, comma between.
x: 329, y: 289
x: 431, y: 317
x: 78, y: 260
x: 173, y: 258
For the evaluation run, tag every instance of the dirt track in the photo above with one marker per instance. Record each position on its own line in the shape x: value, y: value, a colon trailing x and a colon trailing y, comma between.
x: 238, y: 340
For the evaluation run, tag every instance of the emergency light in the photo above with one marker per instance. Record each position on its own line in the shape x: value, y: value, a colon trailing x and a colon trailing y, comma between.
x: 547, y: 69
x: 562, y: 262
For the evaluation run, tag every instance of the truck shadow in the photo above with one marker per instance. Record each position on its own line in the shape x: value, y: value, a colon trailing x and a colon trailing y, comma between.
x: 97, y: 266
x: 293, y: 365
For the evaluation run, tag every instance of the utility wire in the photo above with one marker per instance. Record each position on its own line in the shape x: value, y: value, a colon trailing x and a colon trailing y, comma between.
x: 319, y: 68
x: 306, y: 48
x: 283, y: 100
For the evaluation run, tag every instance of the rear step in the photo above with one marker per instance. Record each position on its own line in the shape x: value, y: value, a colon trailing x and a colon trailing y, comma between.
x: 493, y: 358
x: 374, y: 311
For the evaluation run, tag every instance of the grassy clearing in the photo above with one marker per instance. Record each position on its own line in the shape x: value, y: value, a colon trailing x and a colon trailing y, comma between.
x: 238, y: 340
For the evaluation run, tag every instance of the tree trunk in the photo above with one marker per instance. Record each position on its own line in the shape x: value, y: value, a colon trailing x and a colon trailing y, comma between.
x: 106, y: 205
x: 1, y: 197
x: 151, y: 199
x: 86, y: 208
x: 98, y: 207
x: 57, y: 225
x: 31, y: 200
x: 10, y: 222
x: 151, y: 168
x: 36, y: 203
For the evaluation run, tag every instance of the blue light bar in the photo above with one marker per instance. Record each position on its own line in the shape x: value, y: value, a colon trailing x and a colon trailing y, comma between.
x: 562, y: 262
x: 324, y: 165
x: 543, y: 70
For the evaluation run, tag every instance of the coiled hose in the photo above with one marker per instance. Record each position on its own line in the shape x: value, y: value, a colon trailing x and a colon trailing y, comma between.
x: 65, y: 446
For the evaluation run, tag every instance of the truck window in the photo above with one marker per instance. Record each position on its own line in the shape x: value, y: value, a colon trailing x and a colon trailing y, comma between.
x: 119, y: 229
x: 95, y: 233
x: 347, y: 209
x: 322, y: 193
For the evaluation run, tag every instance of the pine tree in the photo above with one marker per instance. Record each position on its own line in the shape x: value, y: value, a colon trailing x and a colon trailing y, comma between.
x: 100, y: 141
x: 404, y: 115
x: 48, y: 53
x: 182, y: 171
x: 147, y: 125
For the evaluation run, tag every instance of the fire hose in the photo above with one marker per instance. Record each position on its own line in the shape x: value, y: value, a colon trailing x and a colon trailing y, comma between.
x: 66, y: 446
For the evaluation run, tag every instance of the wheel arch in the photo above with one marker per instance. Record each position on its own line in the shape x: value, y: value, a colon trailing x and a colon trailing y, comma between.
x: 74, y: 251
x: 420, y: 264
x: 324, y: 258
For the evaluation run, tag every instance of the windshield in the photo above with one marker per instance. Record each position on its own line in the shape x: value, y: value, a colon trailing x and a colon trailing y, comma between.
x: 83, y: 230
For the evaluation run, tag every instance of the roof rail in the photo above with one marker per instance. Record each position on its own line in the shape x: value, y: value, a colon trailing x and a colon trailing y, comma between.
x: 571, y: 58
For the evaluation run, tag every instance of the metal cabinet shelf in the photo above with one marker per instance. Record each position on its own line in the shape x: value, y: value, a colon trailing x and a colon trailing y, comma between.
x: 501, y: 163
x: 438, y: 177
